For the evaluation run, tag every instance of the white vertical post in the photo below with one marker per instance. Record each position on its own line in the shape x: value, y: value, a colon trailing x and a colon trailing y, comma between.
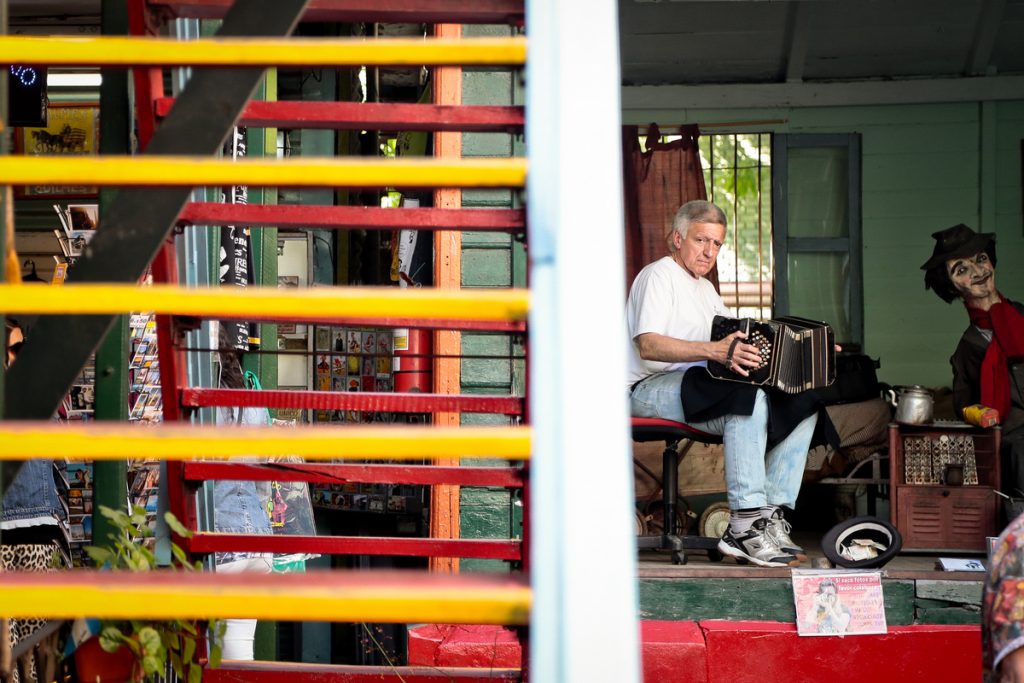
x: 583, y: 553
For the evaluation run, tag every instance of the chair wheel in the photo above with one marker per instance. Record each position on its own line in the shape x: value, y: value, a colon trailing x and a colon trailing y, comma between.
x: 714, y: 521
x: 678, y: 557
x: 741, y: 560
x: 715, y: 555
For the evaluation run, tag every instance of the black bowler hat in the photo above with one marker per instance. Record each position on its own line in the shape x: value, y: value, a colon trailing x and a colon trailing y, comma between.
x: 957, y: 242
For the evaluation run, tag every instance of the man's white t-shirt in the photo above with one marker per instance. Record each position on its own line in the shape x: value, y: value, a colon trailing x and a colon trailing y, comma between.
x: 667, y: 300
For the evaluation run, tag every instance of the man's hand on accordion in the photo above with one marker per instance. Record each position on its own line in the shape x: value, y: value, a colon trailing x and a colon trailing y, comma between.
x: 738, y: 356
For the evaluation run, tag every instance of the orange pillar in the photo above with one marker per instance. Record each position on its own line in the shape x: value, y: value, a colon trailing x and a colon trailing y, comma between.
x: 444, y: 498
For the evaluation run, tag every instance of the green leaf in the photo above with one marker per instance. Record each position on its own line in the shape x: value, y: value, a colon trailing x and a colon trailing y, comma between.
x: 176, y: 526
x: 180, y: 556
x: 170, y: 640
x: 152, y: 665
x: 178, y: 665
x: 190, y: 649
x: 117, y: 517
x: 150, y: 641
x: 138, y: 517
x: 99, y: 556
x: 111, y: 639
x: 195, y: 673
x: 147, y: 554
x: 216, y: 650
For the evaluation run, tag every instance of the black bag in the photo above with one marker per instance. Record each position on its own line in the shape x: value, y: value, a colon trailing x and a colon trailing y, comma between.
x: 856, y: 380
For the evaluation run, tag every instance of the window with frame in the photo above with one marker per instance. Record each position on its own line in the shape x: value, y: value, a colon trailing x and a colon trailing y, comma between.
x: 817, y: 218
x: 793, y: 244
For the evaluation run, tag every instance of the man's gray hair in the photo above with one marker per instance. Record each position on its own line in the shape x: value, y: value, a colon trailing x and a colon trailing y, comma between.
x: 695, y: 211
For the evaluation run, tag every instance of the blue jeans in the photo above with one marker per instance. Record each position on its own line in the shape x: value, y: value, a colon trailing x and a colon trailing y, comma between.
x: 33, y: 493
x: 238, y: 510
x: 753, y: 478
x: 236, y: 504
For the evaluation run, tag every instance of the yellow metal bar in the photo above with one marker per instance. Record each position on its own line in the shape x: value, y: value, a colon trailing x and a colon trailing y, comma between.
x: 271, y: 303
x: 260, y: 52
x: 176, y: 441
x: 313, y: 596
x: 169, y: 171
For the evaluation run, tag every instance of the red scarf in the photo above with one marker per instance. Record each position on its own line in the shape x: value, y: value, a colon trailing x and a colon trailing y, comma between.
x: 1007, y: 344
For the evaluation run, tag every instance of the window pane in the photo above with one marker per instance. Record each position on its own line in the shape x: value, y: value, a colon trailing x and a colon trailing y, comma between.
x: 723, y: 146
x: 818, y: 289
x: 818, y: 191
x: 737, y: 174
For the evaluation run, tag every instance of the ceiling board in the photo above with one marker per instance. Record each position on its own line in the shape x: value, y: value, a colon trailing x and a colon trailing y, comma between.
x: 746, y: 41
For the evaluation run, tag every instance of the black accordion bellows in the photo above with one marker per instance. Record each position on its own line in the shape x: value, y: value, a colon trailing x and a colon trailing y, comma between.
x: 797, y: 354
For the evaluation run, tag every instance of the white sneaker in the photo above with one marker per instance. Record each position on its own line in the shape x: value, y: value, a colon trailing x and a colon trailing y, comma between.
x: 778, y: 529
x: 757, y: 546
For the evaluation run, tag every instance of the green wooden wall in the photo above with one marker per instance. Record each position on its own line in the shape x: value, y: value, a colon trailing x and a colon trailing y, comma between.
x: 925, y: 167
x: 907, y: 601
x: 492, y: 362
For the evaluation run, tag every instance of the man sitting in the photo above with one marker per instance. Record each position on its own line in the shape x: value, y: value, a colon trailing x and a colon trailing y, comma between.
x: 766, y: 434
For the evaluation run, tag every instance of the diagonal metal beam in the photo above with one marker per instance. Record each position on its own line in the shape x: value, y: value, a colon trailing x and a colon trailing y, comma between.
x: 139, y: 220
x: 795, y: 41
x: 990, y: 15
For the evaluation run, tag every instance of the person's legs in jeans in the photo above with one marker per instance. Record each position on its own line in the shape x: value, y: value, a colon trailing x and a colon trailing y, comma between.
x: 744, y: 436
x: 784, y: 473
x: 785, y: 463
x: 659, y: 396
x: 745, y: 440
x: 747, y: 470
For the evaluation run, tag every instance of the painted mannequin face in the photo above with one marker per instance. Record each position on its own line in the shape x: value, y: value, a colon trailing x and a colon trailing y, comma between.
x: 973, y: 276
x: 698, y: 251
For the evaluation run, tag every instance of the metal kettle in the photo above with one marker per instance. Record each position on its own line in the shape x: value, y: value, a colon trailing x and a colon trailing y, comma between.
x: 914, y: 404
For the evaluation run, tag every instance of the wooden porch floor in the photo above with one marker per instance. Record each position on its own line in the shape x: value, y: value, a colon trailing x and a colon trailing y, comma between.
x: 906, y: 565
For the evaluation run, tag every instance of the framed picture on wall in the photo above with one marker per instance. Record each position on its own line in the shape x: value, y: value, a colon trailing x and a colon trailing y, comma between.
x: 71, y: 129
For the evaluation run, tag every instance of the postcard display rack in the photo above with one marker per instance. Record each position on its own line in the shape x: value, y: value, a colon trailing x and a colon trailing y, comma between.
x: 145, y: 399
x: 145, y: 404
x: 75, y: 478
x: 931, y: 513
x: 359, y: 359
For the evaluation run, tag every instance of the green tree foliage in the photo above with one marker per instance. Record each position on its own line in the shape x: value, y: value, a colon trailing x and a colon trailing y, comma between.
x: 737, y: 174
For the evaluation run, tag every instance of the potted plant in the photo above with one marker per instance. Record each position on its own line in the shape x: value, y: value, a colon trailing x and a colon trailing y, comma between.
x: 153, y: 644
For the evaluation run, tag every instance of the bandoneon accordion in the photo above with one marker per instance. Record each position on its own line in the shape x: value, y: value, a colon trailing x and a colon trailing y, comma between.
x: 797, y: 354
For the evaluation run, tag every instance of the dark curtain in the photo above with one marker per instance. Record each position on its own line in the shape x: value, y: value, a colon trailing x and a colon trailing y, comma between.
x: 657, y: 182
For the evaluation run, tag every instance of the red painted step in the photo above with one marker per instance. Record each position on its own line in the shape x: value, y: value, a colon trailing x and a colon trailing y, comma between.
x: 742, y: 652
x: 755, y: 652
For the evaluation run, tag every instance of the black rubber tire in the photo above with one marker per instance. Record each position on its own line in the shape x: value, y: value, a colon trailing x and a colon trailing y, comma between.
x: 865, y: 527
x: 715, y: 555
